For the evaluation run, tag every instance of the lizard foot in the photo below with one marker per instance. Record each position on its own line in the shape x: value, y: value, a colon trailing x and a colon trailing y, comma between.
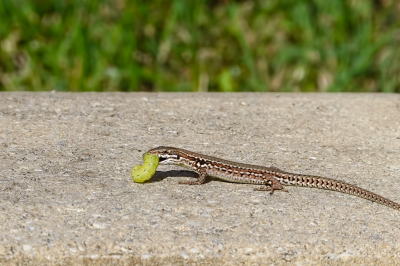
x: 270, y: 189
x: 189, y: 183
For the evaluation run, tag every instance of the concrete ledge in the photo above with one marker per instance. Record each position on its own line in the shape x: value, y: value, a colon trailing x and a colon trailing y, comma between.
x: 66, y: 195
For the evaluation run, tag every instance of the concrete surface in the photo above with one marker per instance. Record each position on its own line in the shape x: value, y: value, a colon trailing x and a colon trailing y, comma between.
x: 67, y: 198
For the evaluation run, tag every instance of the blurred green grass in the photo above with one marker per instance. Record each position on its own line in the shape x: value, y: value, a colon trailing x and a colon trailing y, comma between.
x: 177, y: 45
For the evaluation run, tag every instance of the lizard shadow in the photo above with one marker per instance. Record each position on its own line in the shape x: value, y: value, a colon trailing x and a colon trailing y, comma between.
x: 159, y: 176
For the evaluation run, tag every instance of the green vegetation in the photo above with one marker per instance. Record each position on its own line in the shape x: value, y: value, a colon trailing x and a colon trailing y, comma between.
x: 178, y: 45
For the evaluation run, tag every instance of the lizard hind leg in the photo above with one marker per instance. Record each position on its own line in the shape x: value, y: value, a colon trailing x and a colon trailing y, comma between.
x: 271, y: 185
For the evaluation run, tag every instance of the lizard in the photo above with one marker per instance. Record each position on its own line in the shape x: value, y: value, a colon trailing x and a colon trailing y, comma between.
x: 271, y: 178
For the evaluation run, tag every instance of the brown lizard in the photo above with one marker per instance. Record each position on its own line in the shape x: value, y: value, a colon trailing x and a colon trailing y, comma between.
x: 272, y: 178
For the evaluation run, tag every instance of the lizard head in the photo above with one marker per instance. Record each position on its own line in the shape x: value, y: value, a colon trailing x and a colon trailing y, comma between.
x: 166, y: 155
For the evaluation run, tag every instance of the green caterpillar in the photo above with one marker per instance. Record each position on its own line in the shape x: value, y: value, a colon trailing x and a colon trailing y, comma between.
x: 141, y: 173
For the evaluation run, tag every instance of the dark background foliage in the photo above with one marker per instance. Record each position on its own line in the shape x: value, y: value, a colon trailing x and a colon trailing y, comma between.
x: 179, y: 45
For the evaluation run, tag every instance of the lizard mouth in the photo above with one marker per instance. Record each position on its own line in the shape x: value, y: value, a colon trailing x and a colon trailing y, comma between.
x: 161, y: 159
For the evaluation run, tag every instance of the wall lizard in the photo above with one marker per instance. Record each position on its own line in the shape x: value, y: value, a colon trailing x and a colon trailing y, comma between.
x: 272, y: 178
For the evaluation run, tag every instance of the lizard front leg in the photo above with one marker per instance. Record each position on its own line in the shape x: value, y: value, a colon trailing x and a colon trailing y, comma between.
x: 202, y: 177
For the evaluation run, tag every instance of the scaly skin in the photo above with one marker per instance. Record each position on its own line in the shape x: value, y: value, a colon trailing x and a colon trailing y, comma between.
x: 272, y: 178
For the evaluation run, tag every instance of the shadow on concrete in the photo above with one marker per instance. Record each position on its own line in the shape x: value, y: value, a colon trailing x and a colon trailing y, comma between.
x: 159, y: 176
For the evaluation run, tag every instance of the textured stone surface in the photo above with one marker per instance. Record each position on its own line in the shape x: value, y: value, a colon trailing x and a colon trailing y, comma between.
x: 66, y: 195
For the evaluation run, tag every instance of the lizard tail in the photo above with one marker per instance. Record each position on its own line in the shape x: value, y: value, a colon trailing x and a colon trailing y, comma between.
x: 336, y: 185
